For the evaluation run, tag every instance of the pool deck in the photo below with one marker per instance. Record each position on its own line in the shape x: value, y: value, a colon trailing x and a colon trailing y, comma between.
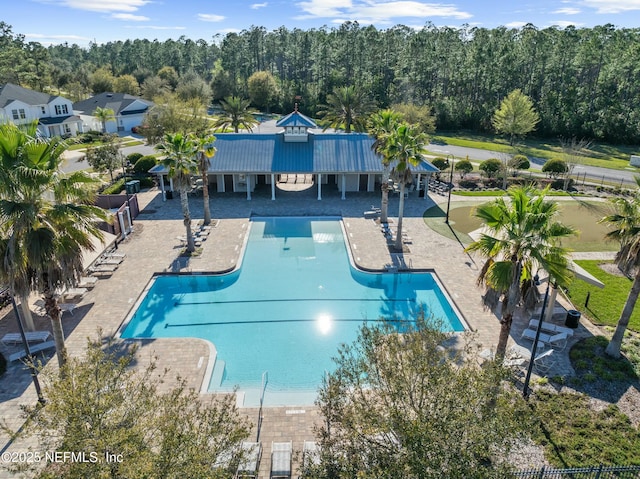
x: 153, y: 248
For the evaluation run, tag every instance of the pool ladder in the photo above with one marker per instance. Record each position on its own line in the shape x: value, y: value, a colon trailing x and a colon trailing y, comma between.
x: 265, y: 380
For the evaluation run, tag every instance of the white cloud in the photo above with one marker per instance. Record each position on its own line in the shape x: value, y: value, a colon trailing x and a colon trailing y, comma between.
x: 210, y: 17
x: 515, y: 24
x: 567, y: 11
x: 564, y: 24
x: 130, y: 17
x: 156, y: 27
x: 101, y: 5
x: 255, y: 6
x: 229, y: 30
x: 375, y: 11
x: 56, y: 39
x: 612, y: 6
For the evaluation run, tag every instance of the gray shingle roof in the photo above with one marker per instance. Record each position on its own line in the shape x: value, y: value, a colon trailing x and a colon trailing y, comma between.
x: 323, y: 153
x: 10, y: 92
x: 115, y: 101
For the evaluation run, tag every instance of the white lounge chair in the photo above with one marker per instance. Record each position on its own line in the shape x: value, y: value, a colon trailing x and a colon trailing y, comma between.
x: 557, y: 341
x: 32, y: 337
x: 34, y: 349
x: 550, y: 327
x: 103, y: 268
x: 67, y: 307
x: 281, y: 460
x: 87, y: 282
x: 544, y: 361
x: 248, y: 467
x: 310, y: 454
x: 109, y: 260
x: 75, y: 292
x: 39, y: 306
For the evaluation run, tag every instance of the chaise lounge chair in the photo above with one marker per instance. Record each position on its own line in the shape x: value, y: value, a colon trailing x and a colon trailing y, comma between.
x: 34, y: 349
x: 310, y: 454
x: 32, y: 337
x: 87, y: 282
x: 248, y: 467
x: 281, y: 460
x: 550, y: 327
x: 557, y: 341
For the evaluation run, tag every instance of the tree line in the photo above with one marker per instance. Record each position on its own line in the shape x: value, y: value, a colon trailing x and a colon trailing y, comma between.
x: 583, y: 81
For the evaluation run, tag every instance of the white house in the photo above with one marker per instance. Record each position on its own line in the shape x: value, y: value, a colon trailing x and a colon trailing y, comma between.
x: 53, y: 113
x: 129, y: 111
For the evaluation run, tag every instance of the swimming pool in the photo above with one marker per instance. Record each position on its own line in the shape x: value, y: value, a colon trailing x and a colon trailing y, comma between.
x: 282, y: 315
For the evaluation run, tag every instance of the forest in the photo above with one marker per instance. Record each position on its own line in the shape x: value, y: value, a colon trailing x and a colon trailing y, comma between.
x: 584, y: 82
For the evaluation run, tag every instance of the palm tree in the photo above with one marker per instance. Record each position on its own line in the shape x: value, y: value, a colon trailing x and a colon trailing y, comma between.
x: 48, y: 221
x: 236, y: 114
x: 180, y: 159
x: 523, y: 236
x: 104, y: 115
x: 206, y: 151
x: 626, y: 222
x: 405, y: 146
x: 381, y: 125
x: 347, y: 108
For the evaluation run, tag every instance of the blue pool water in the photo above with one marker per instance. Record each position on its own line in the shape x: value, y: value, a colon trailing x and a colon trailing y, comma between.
x: 285, y: 311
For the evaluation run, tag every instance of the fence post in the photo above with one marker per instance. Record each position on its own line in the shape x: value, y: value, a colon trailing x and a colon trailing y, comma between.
x: 599, y: 471
x: 602, y: 182
x: 541, y: 475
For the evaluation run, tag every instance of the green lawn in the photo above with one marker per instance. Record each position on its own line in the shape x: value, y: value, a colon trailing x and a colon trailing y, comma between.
x: 599, y: 154
x: 582, y: 215
x: 605, y: 305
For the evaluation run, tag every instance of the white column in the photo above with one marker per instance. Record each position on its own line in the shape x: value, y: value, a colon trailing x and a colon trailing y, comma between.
x: 248, y: 180
x: 319, y: 186
x: 164, y: 193
x: 418, y: 185
x: 548, y: 314
x: 273, y: 187
x: 121, y: 221
x: 426, y: 186
x: 171, y: 184
x: 128, y: 211
x: 344, y: 185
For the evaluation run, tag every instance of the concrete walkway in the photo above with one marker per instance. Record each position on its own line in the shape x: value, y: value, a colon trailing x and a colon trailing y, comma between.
x: 153, y: 248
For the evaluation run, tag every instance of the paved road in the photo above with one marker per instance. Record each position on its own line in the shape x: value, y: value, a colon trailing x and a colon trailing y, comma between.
x: 593, y: 173
x: 74, y: 160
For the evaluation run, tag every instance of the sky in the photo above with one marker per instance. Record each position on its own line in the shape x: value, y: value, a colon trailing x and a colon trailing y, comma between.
x: 84, y: 21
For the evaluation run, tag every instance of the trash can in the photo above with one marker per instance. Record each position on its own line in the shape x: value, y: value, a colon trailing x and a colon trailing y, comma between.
x: 573, y: 319
x: 136, y: 186
x: 168, y: 194
x: 130, y: 187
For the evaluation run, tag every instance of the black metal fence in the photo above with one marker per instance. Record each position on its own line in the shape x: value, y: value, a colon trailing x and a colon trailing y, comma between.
x: 595, y: 472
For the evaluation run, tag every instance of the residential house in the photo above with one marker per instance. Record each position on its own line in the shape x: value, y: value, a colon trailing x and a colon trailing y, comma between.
x: 53, y: 113
x: 129, y: 111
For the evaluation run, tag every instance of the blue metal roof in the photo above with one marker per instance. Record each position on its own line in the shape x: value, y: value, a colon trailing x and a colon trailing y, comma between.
x: 322, y: 153
x: 296, y: 118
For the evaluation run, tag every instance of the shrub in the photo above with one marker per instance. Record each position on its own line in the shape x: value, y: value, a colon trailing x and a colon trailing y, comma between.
x: 115, y: 188
x: 440, y: 163
x: 519, y: 162
x: 132, y: 158
x: 147, y: 182
x: 490, y: 167
x: 468, y: 184
x: 3, y: 364
x: 463, y: 167
x: 144, y: 164
x: 555, y: 168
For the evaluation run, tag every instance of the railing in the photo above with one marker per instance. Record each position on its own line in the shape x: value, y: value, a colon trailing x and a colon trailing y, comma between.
x: 265, y: 380
x: 594, y: 472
